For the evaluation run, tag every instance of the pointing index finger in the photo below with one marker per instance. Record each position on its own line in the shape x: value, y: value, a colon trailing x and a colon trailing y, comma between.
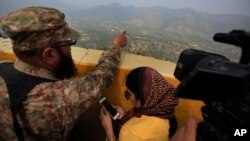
x: 124, y: 32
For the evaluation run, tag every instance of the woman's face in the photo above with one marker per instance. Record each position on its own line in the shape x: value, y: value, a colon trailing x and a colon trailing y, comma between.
x: 131, y: 97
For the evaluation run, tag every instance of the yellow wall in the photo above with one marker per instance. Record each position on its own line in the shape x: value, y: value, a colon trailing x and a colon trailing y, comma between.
x: 185, y: 109
x: 7, y: 55
x: 115, y: 94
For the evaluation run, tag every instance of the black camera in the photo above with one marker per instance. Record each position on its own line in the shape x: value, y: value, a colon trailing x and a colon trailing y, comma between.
x: 224, y: 86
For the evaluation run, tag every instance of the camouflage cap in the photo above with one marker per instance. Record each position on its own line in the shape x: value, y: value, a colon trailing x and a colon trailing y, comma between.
x: 36, y: 27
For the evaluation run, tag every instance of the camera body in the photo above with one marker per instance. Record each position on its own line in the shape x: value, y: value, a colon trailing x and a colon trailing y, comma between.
x: 224, y: 86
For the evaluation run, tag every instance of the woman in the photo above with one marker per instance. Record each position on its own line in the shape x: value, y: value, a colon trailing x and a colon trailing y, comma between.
x: 154, y: 103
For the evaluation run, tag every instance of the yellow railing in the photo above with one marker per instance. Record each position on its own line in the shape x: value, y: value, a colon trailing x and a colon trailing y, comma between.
x: 185, y: 109
x: 88, y: 126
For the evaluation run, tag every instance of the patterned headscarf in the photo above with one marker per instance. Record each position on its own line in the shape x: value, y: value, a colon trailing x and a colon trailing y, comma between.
x: 156, y: 94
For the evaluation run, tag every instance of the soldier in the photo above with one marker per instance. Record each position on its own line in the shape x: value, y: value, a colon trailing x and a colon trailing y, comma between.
x: 39, y: 99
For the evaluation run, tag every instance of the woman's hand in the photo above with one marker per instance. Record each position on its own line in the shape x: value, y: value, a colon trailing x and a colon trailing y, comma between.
x: 120, y: 111
x: 106, y: 122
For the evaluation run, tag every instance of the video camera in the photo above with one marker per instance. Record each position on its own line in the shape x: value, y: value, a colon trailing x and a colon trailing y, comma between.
x: 223, y: 86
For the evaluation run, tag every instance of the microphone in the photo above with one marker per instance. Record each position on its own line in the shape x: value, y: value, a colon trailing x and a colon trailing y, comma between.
x: 236, y: 37
x: 239, y: 38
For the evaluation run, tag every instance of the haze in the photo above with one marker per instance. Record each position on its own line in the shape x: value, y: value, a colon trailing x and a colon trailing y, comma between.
x: 238, y: 7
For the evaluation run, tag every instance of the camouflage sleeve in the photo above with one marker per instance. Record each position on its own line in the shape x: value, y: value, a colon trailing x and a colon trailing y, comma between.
x: 69, y: 98
x: 107, y: 65
x: 101, y: 77
x: 91, y: 86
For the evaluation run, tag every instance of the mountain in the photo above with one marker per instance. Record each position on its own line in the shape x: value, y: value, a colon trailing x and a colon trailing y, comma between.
x: 156, y: 30
x: 171, y: 20
x: 113, y: 12
x: 151, y: 30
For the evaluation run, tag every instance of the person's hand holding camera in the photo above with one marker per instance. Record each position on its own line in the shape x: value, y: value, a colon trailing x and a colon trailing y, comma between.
x: 187, y: 132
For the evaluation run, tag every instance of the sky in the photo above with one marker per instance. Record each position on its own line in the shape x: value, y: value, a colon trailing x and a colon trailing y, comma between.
x: 239, y: 7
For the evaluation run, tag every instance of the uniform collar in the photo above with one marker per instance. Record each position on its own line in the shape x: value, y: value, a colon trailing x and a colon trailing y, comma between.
x: 33, y: 70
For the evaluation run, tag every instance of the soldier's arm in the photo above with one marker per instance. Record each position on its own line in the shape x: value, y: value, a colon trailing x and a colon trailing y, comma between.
x: 91, y: 86
x: 70, y: 98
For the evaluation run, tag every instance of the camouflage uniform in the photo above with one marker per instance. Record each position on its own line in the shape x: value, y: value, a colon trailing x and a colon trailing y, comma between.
x: 51, y: 108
